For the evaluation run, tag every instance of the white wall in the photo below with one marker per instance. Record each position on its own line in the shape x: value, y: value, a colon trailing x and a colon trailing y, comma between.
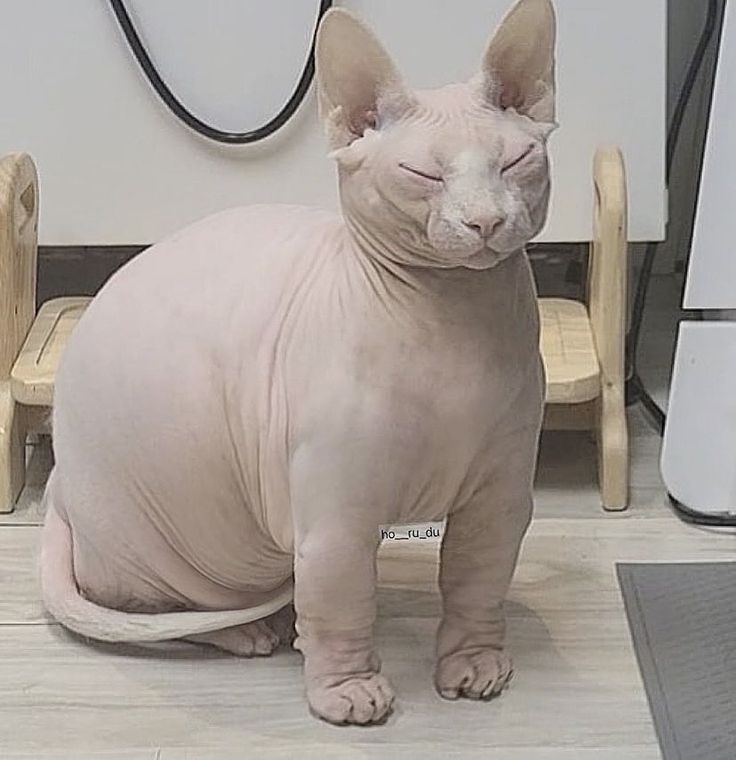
x: 117, y: 168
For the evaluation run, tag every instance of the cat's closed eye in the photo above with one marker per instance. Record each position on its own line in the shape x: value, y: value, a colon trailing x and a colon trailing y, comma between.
x: 419, y: 173
x: 519, y: 159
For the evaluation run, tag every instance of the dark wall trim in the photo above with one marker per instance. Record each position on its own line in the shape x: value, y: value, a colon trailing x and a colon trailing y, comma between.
x: 79, y: 270
x: 83, y: 270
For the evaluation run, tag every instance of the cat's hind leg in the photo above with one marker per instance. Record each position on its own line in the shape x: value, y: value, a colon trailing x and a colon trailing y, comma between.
x: 257, y: 639
x: 248, y: 640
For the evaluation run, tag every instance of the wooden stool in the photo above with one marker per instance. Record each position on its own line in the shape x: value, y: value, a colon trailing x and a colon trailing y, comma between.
x: 582, y: 344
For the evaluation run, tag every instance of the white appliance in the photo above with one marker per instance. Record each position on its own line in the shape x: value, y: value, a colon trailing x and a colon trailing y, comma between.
x: 699, y: 452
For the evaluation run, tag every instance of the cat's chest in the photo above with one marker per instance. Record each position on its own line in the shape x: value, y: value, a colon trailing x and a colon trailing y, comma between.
x: 439, y: 383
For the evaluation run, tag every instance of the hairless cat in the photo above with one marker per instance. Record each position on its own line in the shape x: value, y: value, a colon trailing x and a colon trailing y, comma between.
x: 245, y: 403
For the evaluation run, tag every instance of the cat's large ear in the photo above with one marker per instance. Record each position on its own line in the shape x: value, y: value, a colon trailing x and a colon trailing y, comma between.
x: 519, y: 63
x: 359, y: 86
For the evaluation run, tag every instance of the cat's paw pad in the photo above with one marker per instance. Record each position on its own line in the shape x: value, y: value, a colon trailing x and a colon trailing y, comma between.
x: 356, y: 700
x: 474, y: 674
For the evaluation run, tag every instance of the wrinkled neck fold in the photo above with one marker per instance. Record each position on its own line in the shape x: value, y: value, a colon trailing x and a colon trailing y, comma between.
x: 425, y: 287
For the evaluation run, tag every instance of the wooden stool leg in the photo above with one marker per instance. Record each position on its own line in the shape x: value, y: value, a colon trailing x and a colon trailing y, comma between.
x: 613, y: 451
x: 607, y: 274
x: 12, y: 449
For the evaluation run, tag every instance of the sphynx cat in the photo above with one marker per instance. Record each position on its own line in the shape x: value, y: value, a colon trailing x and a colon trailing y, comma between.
x: 245, y: 403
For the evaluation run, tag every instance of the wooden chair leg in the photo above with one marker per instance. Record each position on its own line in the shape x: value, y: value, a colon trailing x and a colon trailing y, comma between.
x: 12, y: 449
x: 613, y: 450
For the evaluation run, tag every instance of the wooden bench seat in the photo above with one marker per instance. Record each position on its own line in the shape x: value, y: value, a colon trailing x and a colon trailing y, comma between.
x: 32, y: 376
x: 568, y: 350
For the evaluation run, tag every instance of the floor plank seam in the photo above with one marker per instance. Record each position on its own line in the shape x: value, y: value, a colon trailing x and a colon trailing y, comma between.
x: 30, y: 623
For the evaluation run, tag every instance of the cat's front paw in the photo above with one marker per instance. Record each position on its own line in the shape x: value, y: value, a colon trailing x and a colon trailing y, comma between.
x: 474, y: 673
x: 356, y: 699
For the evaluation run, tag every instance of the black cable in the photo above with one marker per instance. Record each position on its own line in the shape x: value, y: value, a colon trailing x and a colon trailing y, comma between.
x: 185, y: 115
x: 635, y: 389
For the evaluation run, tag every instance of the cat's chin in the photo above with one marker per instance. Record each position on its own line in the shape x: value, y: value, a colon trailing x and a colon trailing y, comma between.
x: 485, y: 259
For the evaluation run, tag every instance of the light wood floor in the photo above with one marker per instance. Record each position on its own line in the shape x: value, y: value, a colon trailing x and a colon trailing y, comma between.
x: 577, y: 694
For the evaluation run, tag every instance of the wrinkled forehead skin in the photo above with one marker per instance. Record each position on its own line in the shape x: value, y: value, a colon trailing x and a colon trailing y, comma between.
x: 455, y: 129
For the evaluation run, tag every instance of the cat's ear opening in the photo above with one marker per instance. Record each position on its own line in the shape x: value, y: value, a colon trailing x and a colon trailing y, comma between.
x: 518, y: 70
x: 358, y: 84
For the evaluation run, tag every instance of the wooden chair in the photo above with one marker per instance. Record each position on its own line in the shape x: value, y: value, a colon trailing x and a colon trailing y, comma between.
x: 582, y: 344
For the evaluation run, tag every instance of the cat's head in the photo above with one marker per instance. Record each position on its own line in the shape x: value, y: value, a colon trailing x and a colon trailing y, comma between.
x: 457, y: 176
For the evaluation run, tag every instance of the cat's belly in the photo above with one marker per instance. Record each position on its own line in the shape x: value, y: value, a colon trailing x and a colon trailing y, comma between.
x: 164, y: 508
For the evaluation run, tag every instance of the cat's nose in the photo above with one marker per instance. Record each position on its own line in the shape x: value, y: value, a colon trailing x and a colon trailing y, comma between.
x: 485, y: 225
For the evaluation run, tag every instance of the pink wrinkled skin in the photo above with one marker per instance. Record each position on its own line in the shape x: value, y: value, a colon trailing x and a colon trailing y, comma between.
x: 247, y: 401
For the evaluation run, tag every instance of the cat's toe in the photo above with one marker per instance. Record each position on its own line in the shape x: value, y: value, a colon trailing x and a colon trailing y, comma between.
x: 356, y: 700
x: 475, y: 674
x: 248, y: 640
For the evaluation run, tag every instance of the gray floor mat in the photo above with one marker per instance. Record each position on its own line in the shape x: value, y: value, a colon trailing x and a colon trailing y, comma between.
x: 683, y: 624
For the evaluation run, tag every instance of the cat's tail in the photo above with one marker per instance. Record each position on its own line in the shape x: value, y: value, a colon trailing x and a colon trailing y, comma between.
x: 62, y: 599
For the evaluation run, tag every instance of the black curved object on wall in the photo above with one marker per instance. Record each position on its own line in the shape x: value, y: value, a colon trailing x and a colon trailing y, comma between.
x: 185, y: 115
